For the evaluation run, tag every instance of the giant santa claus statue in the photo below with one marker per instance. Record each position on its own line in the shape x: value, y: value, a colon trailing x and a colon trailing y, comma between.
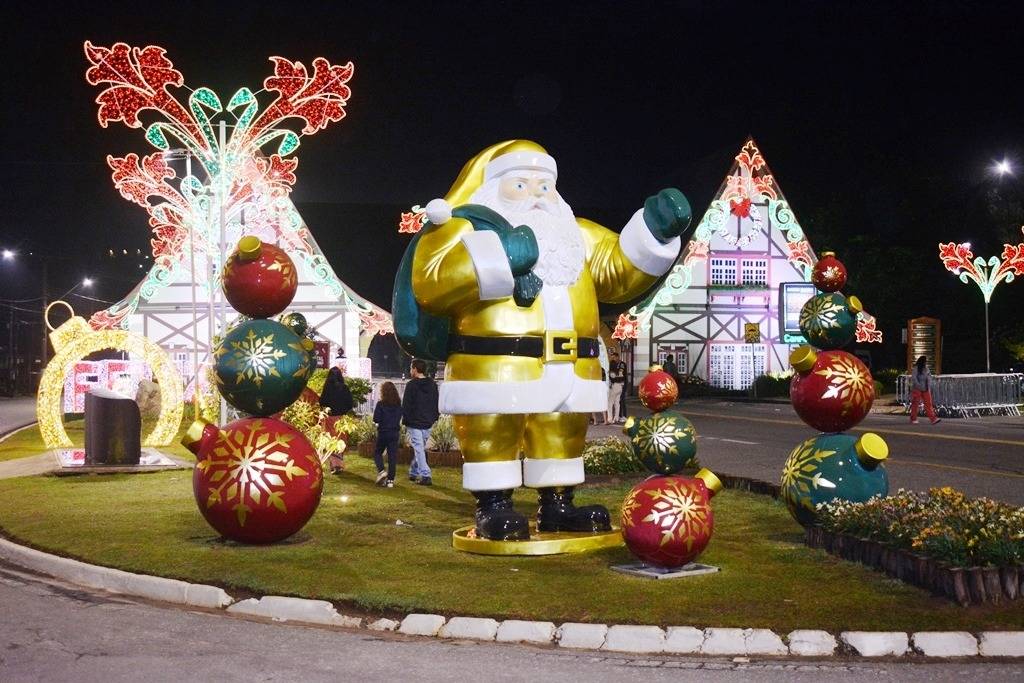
x: 503, y: 283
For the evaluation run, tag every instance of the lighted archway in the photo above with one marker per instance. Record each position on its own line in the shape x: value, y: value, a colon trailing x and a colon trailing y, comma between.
x: 73, y: 341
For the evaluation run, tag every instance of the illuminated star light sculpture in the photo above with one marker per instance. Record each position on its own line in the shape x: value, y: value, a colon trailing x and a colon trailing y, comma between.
x: 243, y: 186
x: 959, y: 260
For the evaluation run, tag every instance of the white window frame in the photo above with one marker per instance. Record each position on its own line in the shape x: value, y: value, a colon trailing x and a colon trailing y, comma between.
x: 724, y: 271
x: 757, y: 266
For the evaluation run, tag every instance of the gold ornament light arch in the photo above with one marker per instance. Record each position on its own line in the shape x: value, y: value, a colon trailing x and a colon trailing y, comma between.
x: 73, y: 341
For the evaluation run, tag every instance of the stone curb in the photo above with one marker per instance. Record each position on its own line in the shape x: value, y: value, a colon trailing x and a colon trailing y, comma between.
x: 638, y: 639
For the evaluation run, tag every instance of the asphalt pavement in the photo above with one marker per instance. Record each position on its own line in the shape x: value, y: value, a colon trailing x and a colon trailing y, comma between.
x: 52, y: 631
x: 16, y: 412
x: 981, y: 456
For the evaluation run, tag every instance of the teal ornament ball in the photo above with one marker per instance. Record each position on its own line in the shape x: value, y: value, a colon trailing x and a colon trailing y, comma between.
x: 833, y: 467
x: 296, y: 322
x: 261, y: 367
x: 829, y: 321
x: 664, y: 442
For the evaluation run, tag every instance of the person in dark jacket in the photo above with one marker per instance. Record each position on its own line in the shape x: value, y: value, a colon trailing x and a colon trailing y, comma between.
x: 337, y: 398
x: 419, y: 413
x: 388, y: 416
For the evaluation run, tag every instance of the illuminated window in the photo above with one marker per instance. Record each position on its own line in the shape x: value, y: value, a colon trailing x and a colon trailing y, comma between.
x: 723, y: 271
x: 754, y: 272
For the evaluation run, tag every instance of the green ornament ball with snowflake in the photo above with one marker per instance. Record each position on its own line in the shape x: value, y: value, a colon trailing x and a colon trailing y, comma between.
x: 666, y: 443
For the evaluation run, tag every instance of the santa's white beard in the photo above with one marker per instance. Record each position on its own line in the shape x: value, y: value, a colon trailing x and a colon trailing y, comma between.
x: 559, y: 239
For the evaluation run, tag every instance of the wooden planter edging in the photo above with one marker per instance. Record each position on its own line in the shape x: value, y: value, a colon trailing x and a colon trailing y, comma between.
x: 434, y: 458
x: 965, y: 585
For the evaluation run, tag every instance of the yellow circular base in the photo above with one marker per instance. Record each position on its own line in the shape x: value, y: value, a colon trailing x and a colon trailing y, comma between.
x: 540, y: 543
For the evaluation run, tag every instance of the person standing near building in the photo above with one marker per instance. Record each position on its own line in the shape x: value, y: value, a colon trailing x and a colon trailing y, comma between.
x: 388, y: 416
x: 337, y: 398
x: 921, y: 391
x: 419, y: 413
x: 617, y: 381
x: 669, y: 366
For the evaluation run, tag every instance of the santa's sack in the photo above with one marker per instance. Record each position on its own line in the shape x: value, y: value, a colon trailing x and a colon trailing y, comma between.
x: 422, y: 334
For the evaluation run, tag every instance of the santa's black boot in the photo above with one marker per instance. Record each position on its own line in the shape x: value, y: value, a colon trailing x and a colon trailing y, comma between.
x: 496, y: 519
x: 557, y: 513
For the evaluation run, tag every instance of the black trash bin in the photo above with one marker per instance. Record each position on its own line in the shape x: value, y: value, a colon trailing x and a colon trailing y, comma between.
x: 113, y: 429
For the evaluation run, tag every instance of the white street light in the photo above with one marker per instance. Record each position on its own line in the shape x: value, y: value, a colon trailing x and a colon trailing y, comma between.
x: 87, y: 282
x: 8, y: 254
x: 1004, y: 167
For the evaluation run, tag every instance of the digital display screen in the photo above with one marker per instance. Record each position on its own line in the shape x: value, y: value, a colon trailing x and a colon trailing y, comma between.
x: 792, y: 297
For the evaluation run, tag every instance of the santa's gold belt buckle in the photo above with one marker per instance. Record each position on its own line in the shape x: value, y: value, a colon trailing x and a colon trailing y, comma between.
x: 560, y: 345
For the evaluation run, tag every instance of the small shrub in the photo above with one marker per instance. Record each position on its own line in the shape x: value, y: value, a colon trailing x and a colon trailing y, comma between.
x: 691, y: 385
x: 442, y: 435
x: 317, y: 380
x: 610, y: 455
x: 364, y: 429
x: 887, y: 377
x: 360, y: 389
x: 770, y: 386
x: 879, y: 388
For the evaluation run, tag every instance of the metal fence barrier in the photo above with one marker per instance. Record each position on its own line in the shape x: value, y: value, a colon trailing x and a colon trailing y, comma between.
x: 970, y: 395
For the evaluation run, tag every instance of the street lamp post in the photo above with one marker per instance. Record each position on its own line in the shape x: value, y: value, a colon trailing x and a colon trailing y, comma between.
x: 959, y: 260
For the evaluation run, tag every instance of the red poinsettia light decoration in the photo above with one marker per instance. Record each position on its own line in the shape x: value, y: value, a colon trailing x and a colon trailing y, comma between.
x: 627, y: 327
x: 412, y: 221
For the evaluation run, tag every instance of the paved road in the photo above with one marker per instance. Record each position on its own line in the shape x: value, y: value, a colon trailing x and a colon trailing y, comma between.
x: 16, y: 412
x: 983, y: 457
x: 51, y: 631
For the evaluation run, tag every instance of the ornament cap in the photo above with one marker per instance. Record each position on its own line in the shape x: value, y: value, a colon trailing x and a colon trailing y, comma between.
x: 828, y: 253
x: 630, y: 421
x: 193, y: 438
x: 249, y: 248
x: 711, y: 481
x: 871, y: 450
x: 854, y: 304
x: 655, y: 367
x: 307, y: 343
x: 803, y: 359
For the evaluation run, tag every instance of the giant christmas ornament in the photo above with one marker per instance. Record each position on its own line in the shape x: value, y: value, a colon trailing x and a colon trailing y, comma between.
x: 829, y: 321
x: 664, y: 442
x: 259, y: 278
x: 296, y: 322
x: 829, y: 273
x: 261, y: 367
x: 658, y: 389
x: 256, y: 480
x: 833, y: 467
x: 831, y: 391
x: 667, y: 521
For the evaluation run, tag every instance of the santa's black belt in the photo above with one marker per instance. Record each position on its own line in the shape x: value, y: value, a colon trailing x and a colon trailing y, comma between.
x: 556, y: 345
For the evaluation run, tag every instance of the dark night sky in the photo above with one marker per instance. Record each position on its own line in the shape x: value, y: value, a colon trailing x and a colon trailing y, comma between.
x: 845, y: 99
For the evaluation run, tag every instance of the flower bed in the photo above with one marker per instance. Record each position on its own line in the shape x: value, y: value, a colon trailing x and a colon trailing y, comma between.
x: 971, y: 551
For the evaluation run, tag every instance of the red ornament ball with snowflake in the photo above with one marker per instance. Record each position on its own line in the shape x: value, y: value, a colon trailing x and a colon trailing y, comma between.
x: 259, y: 278
x: 832, y: 391
x: 658, y: 390
x: 829, y: 273
x: 667, y: 521
x: 257, y: 480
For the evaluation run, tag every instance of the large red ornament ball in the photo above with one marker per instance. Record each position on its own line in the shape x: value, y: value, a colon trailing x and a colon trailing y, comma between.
x: 829, y: 273
x: 259, y: 278
x: 831, y: 391
x: 658, y: 390
x: 667, y: 521
x: 257, y: 480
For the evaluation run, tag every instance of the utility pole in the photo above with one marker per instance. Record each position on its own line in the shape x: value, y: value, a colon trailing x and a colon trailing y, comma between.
x: 46, y: 296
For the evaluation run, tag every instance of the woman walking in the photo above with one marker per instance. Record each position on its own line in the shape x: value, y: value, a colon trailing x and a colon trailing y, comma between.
x: 337, y: 398
x: 921, y: 391
x: 388, y: 416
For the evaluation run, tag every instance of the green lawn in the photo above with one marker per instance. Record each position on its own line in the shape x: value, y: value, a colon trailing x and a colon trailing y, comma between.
x: 353, y: 553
